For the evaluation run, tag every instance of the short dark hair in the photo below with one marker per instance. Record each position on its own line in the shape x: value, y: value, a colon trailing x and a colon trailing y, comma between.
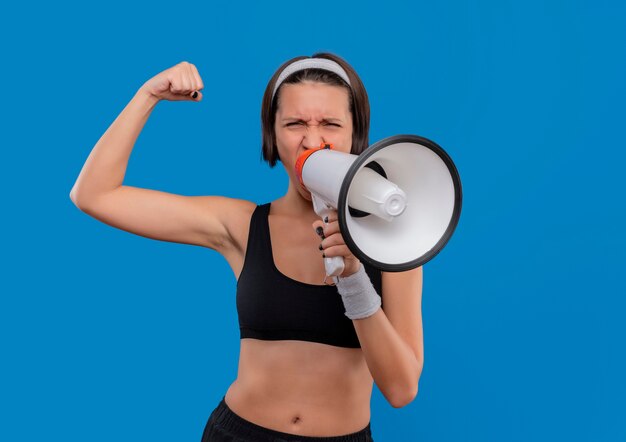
x: 358, y: 102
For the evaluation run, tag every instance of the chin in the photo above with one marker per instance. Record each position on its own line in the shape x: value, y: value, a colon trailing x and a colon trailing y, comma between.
x: 304, y: 193
x: 307, y: 196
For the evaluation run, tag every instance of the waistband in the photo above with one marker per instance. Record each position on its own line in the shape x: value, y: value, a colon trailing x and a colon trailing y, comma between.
x: 230, y: 421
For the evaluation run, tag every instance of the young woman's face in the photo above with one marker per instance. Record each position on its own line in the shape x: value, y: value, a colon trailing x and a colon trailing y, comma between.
x: 309, y: 114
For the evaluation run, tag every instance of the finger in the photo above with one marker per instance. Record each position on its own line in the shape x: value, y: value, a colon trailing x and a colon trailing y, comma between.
x: 185, y: 80
x: 318, y: 227
x: 199, y: 83
x: 341, y: 250
x: 191, y: 76
x: 174, y: 82
x: 179, y: 85
x: 332, y: 240
x: 332, y: 216
x: 331, y: 228
x: 329, y: 225
x: 184, y: 83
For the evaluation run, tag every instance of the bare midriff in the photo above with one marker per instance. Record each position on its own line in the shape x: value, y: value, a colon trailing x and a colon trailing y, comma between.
x: 302, y: 388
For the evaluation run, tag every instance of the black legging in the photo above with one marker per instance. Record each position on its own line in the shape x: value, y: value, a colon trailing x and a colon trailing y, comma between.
x: 225, y: 426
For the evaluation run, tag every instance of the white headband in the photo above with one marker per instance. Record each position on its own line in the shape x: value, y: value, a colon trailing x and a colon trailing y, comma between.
x: 311, y: 63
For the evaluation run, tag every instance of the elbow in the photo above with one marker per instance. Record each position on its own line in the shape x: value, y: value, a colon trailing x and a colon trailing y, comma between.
x: 403, y: 397
x: 405, y: 393
x: 72, y: 196
x: 79, y: 201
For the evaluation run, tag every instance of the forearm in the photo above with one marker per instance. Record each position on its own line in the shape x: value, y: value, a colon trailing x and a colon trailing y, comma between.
x: 391, y: 361
x: 106, y: 165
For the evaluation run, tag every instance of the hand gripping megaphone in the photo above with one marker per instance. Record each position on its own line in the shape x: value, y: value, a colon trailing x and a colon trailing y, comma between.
x: 398, y: 202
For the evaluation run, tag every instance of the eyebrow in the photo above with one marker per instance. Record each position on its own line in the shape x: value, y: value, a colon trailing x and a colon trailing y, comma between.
x: 328, y: 119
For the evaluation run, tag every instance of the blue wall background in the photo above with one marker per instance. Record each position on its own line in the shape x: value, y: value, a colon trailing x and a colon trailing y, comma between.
x: 110, y: 336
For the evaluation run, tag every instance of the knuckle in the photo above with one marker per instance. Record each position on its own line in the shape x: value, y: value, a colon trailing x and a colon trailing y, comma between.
x: 330, y: 252
x: 336, y: 240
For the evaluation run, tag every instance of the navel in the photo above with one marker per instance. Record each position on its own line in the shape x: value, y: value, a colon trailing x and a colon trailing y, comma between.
x: 296, y: 420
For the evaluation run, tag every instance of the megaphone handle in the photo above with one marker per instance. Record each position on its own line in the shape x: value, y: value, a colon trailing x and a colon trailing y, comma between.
x: 334, y: 266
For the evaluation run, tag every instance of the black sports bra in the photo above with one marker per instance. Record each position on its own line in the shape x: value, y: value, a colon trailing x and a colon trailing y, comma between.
x: 271, y: 306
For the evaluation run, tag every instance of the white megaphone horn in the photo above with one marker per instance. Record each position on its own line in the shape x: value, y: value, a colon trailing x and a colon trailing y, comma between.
x: 398, y: 202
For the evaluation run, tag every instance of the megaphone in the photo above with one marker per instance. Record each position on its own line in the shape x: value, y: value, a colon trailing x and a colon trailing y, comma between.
x: 398, y: 202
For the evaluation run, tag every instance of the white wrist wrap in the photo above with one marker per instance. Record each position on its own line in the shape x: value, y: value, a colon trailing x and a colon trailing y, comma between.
x: 358, y: 294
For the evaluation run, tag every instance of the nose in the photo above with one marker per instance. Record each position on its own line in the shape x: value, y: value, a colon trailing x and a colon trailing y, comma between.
x: 312, y: 138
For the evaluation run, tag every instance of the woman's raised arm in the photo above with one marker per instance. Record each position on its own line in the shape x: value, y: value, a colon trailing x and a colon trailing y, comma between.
x: 99, y: 192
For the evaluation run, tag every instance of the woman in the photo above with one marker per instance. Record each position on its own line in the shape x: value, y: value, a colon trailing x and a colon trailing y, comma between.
x: 309, y: 351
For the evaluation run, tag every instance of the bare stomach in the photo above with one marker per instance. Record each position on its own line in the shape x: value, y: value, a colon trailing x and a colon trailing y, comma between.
x: 302, y: 388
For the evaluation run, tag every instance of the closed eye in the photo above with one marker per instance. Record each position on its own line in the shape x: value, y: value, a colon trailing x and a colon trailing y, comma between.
x: 300, y: 123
